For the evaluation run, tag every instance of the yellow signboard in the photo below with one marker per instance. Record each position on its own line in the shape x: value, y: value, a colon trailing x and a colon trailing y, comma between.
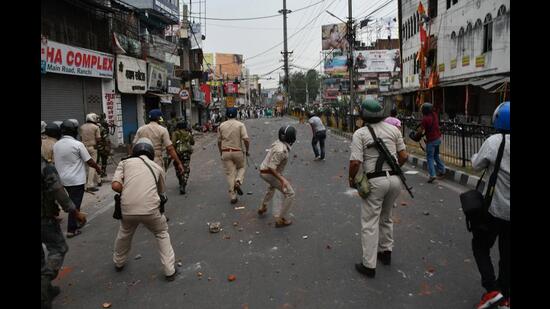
x: 465, y: 61
x: 229, y: 102
x: 480, y: 61
x: 441, y: 67
x: 453, y: 63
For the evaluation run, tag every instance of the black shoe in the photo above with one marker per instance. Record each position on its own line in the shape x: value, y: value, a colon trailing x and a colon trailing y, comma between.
x: 119, y: 268
x: 93, y: 189
x: 234, y: 201
x: 431, y: 180
x: 182, y: 190
x: 172, y: 277
x: 369, y: 272
x: 54, y: 291
x: 238, y: 189
x: 385, y: 257
x: 99, y: 184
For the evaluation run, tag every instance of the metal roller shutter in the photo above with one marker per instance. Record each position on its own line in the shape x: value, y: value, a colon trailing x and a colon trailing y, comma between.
x: 61, y: 98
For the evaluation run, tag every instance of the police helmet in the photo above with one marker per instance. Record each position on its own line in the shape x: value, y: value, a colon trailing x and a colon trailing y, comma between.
x: 287, y: 134
x: 53, y: 130
x: 92, y: 117
x: 144, y: 146
x: 58, y: 123
x: 43, y: 124
x: 231, y: 112
x: 69, y: 127
x: 372, y: 111
x: 181, y: 125
x: 501, y: 117
x: 426, y: 108
x: 155, y: 115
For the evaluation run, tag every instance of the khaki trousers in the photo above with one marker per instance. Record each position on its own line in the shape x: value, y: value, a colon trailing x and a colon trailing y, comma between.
x: 233, y: 163
x: 376, y: 221
x: 274, y: 183
x: 93, y: 178
x: 156, y: 223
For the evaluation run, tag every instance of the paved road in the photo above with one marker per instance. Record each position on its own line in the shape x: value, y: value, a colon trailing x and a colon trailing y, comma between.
x: 432, y: 265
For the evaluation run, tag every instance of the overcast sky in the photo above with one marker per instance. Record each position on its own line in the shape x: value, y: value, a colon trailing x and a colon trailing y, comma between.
x: 253, y: 37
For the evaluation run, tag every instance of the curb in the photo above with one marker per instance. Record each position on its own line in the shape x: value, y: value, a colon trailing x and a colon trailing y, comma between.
x: 455, y: 175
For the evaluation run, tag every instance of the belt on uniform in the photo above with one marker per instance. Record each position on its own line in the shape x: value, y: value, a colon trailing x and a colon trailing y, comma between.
x: 231, y: 150
x: 380, y: 174
x: 266, y: 172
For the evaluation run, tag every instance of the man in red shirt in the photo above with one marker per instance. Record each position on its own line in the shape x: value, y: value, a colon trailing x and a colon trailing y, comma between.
x: 430, y: 126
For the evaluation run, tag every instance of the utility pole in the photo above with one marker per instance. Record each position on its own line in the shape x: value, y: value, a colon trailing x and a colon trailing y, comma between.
x: 285, y: 52
x: 307, y: 94
x: 351, y: 39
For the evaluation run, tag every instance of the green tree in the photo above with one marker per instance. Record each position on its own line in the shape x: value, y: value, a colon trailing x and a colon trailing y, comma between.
x: 298, y: 82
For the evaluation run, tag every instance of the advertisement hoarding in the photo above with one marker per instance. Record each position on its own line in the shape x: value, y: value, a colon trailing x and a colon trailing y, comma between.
x: 334, y: 37
x: 335, y: 65
x: 383, y: 60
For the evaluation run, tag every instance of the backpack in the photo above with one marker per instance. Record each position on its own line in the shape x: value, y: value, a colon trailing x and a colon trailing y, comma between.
x: 183, y: 142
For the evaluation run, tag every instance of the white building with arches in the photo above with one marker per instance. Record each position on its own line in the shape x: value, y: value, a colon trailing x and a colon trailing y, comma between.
x: 470, y: 50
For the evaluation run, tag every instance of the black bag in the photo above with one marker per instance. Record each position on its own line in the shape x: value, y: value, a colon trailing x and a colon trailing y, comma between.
x: 163, y: 197
x: 118, y: 208
x: 474, y: 204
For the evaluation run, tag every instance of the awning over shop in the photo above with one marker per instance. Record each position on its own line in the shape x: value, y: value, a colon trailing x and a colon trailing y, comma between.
x: 486, y: 83
x: 164, y: 98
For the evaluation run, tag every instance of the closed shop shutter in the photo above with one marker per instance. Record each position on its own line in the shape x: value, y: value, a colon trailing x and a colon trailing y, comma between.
x: 61, y: 98
x: 92, y: 94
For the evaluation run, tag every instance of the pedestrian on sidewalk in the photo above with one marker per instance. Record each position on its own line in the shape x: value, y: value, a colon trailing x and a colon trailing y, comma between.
x: 495, y: 223
x: 160, y: 138
x: 271, y: 171
x: 91, y: 137
x: 184, y: 141
x: 430, y: 128
x: 393, y: 120
x: 140, y: 181
x: 231, y: 135
x: 71, y: 158
x: 53, y: 196
x: 51, y: 135
x: 319, y: 133
x: 385, y: 185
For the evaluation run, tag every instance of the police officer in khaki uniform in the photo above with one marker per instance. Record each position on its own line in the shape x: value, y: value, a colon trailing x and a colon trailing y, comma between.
x: 271, y: 171
x: 91, y: 137
x: 135, y: 179
x: 160, y: 138
x: 231, y: 135
x: 53, y: 196
x: 50, y: 136
x: 385, y: 186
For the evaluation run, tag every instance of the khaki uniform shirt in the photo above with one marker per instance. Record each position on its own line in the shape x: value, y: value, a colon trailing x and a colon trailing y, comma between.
x: 231, y: 133
x: 158, y: 135
x: 90, y: 134
x: 47, y: 148
x: 139, y: 191
x: 276, y: 157
x: 364, y: 150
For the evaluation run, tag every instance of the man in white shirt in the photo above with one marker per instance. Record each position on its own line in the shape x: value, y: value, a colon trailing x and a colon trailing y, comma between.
x: 496, y: 222
x: 319, y: 135
x: 71, y: 158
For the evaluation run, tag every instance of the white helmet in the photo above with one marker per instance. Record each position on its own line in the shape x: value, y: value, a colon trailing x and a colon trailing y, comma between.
x: 43, y: 124
x: 92, y: 117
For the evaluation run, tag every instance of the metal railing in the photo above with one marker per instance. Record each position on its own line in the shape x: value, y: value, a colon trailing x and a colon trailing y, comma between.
x: 459, y: 141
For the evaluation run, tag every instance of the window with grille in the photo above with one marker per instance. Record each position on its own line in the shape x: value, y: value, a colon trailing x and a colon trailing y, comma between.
x: 488, y: 34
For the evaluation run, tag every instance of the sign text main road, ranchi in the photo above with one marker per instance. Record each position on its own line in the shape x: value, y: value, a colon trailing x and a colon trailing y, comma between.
x: 65, y: 59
